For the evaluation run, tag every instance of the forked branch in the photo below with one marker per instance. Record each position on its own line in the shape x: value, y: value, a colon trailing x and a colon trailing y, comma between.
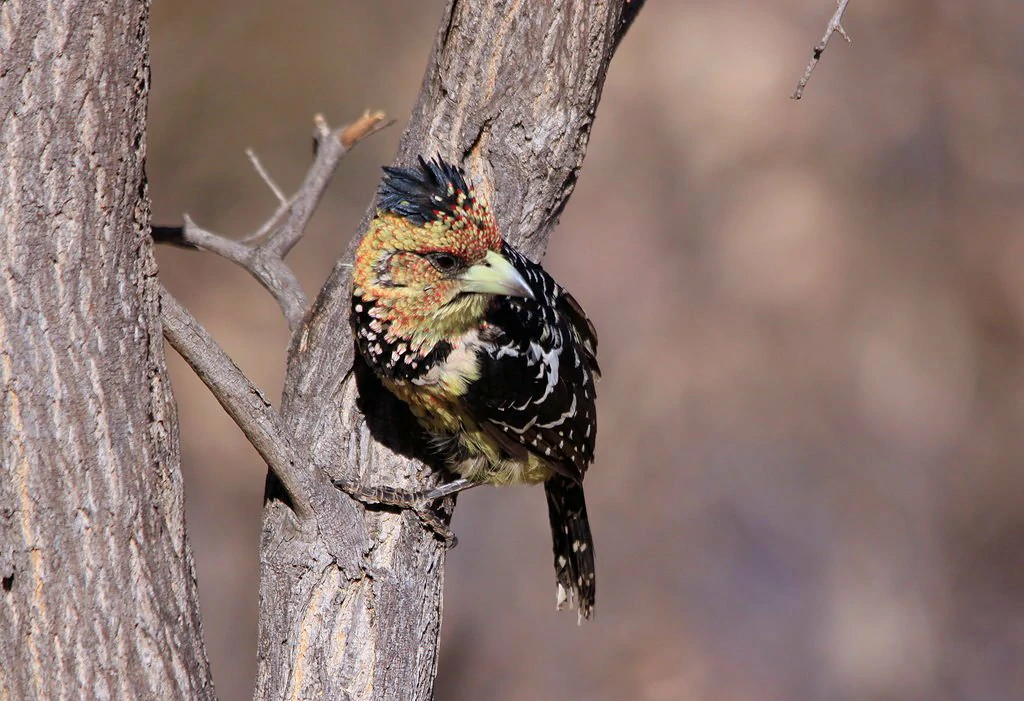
x: 262, y: 253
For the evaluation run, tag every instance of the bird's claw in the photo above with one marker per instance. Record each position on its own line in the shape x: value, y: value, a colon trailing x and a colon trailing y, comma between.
x: 417, y: 502
x: 430, y: 519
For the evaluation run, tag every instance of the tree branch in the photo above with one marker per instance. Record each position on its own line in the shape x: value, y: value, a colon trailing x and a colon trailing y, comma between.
x: 252, y: 412
x: 262, y: 253
x: 331, y: 147
x: 242, y: 400
x: 834, y: 26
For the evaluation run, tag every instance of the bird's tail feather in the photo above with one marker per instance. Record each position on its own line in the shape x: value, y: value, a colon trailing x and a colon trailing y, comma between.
x: 573, y: 545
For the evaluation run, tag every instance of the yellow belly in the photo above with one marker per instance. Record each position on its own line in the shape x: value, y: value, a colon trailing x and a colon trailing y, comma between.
x: 447, y: 419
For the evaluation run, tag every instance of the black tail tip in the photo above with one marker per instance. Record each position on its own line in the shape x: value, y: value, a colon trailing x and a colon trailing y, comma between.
x: 573, y: 546
x: 572, y: 598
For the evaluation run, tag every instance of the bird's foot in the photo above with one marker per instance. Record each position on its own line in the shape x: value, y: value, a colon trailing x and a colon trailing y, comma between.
x: 417, y: 502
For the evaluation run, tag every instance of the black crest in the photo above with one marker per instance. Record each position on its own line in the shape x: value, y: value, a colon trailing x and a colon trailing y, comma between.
x: 420, y: 192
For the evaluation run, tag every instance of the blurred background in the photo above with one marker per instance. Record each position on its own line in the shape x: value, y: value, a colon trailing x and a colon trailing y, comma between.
x: 808, y: 482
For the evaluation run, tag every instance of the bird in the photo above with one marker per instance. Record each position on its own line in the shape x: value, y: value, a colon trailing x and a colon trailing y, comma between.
x: 495, y: 359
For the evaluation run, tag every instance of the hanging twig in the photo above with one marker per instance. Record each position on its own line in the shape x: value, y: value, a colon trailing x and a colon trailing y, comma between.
x: 834, y: 26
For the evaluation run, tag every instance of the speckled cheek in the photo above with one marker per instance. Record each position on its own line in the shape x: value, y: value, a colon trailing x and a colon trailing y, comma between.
x: 410, y: 269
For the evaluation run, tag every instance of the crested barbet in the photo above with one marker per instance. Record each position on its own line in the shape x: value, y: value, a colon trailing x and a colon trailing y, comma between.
x: 493, y: 357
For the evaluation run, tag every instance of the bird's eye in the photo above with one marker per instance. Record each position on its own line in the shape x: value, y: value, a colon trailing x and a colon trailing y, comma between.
x: 445, y: 262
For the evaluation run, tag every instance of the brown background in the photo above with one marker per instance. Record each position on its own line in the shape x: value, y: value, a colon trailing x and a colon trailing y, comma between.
x: 808, y: 482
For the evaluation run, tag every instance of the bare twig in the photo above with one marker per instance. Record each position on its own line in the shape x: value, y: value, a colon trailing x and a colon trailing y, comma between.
x: 834, y: 26
x: 266, y: 176
x: 270, y: 224
x: 263, y: 252
x: 331, y: 147
x: 364, y: 127
x: 241, y: 399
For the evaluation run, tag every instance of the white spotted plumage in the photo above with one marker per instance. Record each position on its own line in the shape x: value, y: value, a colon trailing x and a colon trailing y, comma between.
x: 509, y: 388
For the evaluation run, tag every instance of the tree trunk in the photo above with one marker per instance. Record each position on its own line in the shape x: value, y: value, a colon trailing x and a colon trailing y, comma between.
x: 511, y: 90
x: 97, y: 588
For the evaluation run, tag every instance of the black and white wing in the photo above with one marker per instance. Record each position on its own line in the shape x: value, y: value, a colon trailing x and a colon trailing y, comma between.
x: 536, y: 390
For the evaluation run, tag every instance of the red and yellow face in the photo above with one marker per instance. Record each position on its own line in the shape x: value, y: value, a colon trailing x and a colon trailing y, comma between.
x: 431, y: 259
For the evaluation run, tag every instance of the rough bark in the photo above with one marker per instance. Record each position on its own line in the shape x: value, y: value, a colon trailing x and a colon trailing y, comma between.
x: 511, y: 92
x: 98, y: 595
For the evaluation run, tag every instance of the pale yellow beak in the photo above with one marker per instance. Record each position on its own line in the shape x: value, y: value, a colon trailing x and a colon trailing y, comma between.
x: 495, y: 276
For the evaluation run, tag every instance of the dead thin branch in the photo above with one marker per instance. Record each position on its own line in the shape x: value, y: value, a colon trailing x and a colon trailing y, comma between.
x: 262, y: 253
x: 244, y: 402
x: 834, y: 26
x: 262, y: 425
x: 274, y: 187
x: 331, y: 147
